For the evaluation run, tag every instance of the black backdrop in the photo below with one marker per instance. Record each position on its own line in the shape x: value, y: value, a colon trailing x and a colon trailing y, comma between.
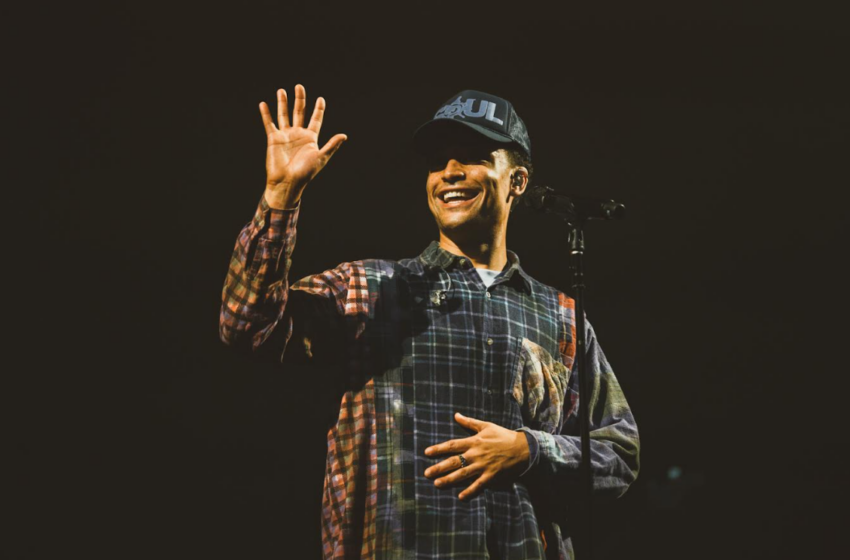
x: 136, y: 155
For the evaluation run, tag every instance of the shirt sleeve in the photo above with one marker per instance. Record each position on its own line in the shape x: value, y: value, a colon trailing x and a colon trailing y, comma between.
x: 255, y: 289
x: 259, y: 307
x: 614, y: 442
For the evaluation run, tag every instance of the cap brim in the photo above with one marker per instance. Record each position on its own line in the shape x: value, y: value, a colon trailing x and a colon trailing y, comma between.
x: 438, y: 132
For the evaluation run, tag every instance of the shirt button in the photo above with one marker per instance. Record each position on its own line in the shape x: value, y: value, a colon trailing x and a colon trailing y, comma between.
x: 489, y: 342
x: 487, y: 295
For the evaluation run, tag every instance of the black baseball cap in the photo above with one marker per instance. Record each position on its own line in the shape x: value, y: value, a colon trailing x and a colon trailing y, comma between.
x: 481, y: 112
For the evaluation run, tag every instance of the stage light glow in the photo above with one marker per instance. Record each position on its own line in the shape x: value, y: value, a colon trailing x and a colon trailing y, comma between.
x: 674, y: 473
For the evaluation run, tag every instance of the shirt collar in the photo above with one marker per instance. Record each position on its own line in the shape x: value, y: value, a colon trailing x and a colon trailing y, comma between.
x: 435, y: 256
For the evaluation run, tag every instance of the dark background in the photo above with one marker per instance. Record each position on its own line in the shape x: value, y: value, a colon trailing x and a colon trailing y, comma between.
x: 134, y: 154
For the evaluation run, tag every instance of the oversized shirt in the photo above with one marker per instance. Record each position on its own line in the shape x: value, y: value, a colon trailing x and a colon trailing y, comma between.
x: 412, y: 342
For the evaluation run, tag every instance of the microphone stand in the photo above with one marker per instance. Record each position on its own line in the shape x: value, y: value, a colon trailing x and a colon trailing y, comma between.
x: 575, y: 211
x: 576, y: 240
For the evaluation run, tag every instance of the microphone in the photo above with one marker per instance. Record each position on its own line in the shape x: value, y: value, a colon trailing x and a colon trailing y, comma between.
x: 571, y: 207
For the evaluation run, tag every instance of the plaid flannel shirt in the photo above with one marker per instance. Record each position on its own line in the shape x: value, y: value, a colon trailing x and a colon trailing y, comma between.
x: 415, y: 341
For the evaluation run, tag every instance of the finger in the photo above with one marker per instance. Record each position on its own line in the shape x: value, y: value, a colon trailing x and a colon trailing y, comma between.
x: 282, y: 109
x: 458, y: 475
x: 318, y: 114
x: 476, y: 487
x: 448, y: 465
x: 471, y: 423
x: 451, y: 446
x: 329, y: 149
x: 267, y: 117
x: 300, y: 103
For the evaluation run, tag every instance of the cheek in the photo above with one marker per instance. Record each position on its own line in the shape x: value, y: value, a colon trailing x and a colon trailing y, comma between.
x: 497, y: 188
x: 429, y: 189
x: 430, y: 183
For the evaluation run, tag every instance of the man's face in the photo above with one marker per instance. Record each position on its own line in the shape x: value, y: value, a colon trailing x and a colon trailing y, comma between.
x: 469, y: 188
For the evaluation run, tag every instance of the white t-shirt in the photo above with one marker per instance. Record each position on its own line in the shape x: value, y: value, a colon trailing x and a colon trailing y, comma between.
x: 487, y: 275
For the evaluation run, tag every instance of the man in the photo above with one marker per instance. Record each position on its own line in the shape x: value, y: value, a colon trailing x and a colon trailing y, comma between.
x: 457, y: 433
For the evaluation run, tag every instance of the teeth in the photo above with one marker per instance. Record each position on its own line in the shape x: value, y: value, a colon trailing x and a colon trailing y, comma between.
x: 451, y: 195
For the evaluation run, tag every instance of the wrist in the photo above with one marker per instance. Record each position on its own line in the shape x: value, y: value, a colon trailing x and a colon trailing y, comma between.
x: 281, y: 198
x: 523, y: 451
x: 533, y: 448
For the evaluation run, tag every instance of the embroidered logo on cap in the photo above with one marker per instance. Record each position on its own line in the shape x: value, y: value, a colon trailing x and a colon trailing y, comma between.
x: 463, y: 109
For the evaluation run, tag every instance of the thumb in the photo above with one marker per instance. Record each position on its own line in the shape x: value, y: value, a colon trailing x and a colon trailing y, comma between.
x: 471, y: 423
x: 332, y: 146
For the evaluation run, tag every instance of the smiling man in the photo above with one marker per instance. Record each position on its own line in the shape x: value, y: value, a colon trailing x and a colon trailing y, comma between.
x: 472, y: 183
x: 457, y: 431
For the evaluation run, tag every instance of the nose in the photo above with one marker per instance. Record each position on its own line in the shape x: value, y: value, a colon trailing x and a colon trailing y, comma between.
x: 454, y: 171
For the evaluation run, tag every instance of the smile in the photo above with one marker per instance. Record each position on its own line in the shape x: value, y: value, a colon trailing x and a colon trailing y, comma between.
x: 459, y: 197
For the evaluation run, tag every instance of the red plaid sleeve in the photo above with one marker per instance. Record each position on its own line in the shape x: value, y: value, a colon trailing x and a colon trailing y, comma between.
x: 255, y: 290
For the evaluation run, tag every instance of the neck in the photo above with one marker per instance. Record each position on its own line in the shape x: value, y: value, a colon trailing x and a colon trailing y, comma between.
x: 491, y: 253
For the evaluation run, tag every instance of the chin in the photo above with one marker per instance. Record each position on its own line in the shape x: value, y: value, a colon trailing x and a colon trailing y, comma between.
x: 465, y: 227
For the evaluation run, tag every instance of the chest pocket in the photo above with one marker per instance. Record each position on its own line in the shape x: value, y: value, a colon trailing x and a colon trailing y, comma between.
x: 432, y: 304
x: 539, y: 387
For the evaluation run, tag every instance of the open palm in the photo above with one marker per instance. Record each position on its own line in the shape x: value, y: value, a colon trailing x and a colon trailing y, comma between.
x: 293, y: 156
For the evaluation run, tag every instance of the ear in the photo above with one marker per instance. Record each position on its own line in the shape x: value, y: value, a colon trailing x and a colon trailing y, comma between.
x: 519, y: 180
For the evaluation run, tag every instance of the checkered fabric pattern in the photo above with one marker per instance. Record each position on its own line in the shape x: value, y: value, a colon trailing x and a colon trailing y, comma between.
x: 421, y: 339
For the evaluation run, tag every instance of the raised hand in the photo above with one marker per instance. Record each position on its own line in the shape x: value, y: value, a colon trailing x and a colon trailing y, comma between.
x: 293, y: 156
x: 493, y: 451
